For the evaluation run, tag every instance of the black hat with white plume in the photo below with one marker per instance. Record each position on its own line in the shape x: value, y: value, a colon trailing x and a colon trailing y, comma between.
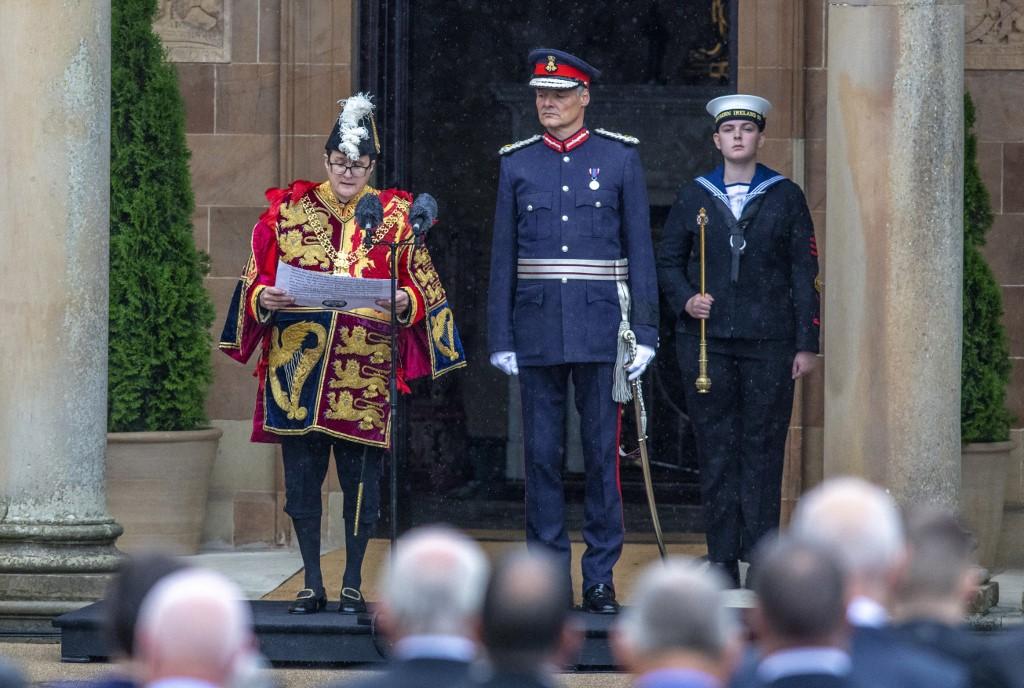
x: 355, y: 132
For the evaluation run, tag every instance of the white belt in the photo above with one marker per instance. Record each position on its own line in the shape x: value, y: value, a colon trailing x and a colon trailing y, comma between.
x: 575, y: 269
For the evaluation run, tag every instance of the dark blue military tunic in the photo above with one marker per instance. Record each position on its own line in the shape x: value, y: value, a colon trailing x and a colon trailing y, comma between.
x: 546, y: 209
x: 590, y: 203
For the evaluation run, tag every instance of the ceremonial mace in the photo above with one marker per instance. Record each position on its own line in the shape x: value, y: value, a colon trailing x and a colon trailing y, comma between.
x: 641, y: 435
x: 703, y: 382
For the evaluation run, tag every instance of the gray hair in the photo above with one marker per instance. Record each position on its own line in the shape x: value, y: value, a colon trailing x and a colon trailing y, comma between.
x: 196, y: 619
x: 435, y: 582
x: 859, y: 520
x: 678, y: 605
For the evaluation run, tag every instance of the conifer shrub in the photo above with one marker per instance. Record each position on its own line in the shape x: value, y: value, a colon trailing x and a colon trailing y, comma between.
x: 160, y: 313
x: 985, y: 370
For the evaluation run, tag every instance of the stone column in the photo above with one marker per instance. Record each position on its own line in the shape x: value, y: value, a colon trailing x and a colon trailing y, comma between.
x: 892, y: 311
x: 56, y: 537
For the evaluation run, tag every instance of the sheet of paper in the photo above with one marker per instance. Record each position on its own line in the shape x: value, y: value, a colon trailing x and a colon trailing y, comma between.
x: 336, y: 292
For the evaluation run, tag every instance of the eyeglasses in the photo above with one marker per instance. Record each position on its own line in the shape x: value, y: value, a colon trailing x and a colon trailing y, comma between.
x: 340, y: 168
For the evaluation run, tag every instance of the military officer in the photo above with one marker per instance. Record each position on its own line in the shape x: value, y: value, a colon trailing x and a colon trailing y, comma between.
x: 572, y: 266
x: 761, y: 313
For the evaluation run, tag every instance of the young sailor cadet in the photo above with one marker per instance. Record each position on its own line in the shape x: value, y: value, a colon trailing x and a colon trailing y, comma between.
x: 761, y: 311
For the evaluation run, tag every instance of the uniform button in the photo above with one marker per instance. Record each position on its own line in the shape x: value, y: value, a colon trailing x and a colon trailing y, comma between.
x: 565, y: 188
x: 565, y: 218
x: 598, y: 204
x: 529, y: 207
x: 565, y: 159
x: 565, y: 280
x: 565, y: 249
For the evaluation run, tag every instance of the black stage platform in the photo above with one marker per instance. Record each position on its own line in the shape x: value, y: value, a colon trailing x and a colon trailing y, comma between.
x: 327, y: 638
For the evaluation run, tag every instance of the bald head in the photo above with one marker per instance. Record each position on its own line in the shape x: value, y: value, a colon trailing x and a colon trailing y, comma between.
x: 193, y: 624
x: 434, y: 584
x: 800, y: 591
x: 525, y: 610
x: 859, y: 520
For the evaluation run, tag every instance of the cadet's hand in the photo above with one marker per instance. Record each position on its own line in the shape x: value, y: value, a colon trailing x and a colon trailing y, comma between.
x: 401, y: 299
x: 803, y: 363
x: 699, y: 306
x: 274, y: 299
x: 643, y: 358
x: 505, y: 361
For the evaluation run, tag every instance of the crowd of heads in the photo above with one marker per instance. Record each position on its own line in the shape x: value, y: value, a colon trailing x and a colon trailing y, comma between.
x: 849, y: 564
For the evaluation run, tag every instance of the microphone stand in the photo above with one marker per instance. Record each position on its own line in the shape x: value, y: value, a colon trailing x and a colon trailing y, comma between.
x: 393, y: 382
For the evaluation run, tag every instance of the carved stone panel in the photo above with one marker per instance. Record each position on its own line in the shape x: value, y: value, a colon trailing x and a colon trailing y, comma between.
x: 195, y: 30
x: 995, y: 34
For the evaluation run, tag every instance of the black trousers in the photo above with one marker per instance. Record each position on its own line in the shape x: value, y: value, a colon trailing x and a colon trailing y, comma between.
x: 544, y: 391
x: 740, y: 427
x: 306, y: 458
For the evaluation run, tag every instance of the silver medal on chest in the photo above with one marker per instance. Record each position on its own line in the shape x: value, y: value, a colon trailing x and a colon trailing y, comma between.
x: 595, y: 185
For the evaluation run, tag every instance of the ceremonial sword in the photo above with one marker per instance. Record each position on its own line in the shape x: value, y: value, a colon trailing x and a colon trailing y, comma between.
x: 641, y: 435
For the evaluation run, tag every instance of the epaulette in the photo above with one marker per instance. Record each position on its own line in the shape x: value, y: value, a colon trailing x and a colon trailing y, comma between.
x: 624, y: 138
x: 513, y: 147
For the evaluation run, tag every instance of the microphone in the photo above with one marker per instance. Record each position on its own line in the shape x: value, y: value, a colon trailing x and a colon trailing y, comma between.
x: 369, y: 216
x: 422, y: 216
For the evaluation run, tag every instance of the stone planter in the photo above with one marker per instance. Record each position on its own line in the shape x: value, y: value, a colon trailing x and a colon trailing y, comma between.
x: 157, y: 484
x: 983, y: 469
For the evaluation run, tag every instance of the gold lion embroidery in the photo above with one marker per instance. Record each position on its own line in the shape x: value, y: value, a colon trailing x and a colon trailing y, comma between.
x: 442, y: 330
x: 427, y: 278
x: 288, y: 357
x: 297, y: 247
x: 352, y: 375
x: 292, y: 215
x: 362, y: 343
x: 369, y: 414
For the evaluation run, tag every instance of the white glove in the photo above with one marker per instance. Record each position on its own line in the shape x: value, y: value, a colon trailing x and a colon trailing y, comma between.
x: 636, y: 368
x: 505, y: 361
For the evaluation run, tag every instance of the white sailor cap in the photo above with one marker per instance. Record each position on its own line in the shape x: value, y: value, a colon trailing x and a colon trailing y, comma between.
x: 739, y: 106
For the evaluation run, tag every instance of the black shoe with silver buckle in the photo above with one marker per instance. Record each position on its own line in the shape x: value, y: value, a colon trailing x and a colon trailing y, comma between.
x: 352, y: 602
x: 307, y: 602
x: 600, y: 599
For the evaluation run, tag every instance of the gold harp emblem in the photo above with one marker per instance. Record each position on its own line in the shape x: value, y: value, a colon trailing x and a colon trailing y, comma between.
x: 442, y: 330
x: 288, y: 357
x: 551, y: 66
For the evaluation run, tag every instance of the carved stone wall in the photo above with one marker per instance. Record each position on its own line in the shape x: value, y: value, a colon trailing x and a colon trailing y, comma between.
x: 994, y: 34
x: 195, y: 30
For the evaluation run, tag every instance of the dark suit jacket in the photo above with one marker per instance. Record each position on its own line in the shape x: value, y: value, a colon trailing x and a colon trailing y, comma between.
x: 505, y: 679
x: 991, y: 660
x: 811, y: 681
x: 416, y: 673
x: 882, y: 658
x: 9, y: 677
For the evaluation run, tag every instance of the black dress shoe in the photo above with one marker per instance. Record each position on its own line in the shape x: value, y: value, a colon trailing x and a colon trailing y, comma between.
x: 352, y: 602
x: 307, y: 602
x: 600, y: 599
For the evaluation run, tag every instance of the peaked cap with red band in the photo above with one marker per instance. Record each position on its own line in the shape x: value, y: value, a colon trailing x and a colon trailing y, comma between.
x: 559, y: 69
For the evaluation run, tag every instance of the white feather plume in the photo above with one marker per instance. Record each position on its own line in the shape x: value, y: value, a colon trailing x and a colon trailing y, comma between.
x: 353, y: 110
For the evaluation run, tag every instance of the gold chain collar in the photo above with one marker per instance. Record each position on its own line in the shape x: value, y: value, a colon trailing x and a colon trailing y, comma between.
x: 343, y: 261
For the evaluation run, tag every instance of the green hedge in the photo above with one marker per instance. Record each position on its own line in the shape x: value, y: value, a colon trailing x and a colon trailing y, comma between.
x: 986, y: 357
x: 160, y: 313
